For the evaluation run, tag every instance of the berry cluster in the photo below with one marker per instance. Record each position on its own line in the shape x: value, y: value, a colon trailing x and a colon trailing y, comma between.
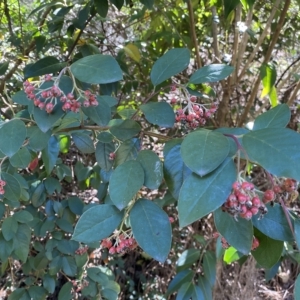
x: 81, y: 251
x: 121, y: 245
x: 2, y: 184
x: 243, y: 201
x: 46, y: 98
x: 287, y: 187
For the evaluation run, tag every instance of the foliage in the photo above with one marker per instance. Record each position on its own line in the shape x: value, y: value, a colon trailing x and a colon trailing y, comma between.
x: 157, y: 118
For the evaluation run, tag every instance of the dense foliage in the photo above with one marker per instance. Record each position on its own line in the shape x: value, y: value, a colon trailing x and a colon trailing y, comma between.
x: 136, y: 130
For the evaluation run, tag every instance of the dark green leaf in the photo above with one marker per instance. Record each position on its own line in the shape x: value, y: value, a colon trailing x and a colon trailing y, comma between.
x: 23, y: 216
x: 21, y: 159
x: 102, y: 155
x: 175, y: 171
x: 37, y: 292
x: 127, y: 151
x: 117, y: 3
x: 97, y: 69
x: 76, y: 205
x: 152, y: 166
x: 280, y: 145
x: 50, y: 154
x: 3, y: 67
x: 46, y: 65
x: 171, y: 63
x: 105, y: 137
x: 38, y: 197
x: 97, y: 223
x: 100, y: 114
x: 268, y: 252
x: 151, y: 229
x: 12, y: 136
x: 211, y: 73
x: 274, y: 224
x: 38, y: 139
x: 276, y: 117
x: 12, y: 188
x: 297, y: 231
x: 65, y: 292
x: 159, y: 113
x: 21, y: 98
x: 69, y: 266
x: 83, y: 142
x: 126, y: 130
x: 204, y: 150
x: 209, y: 267
x: 297, y: 288
x: 238, y: 233
x: 101, y: 7
x: 180, y: 278
x: 202, y: 195
x: 185, y: 291
x: 6, y: 248
x: 22, y: 242
x: 148, y: 3
x: 125, y: 182
x: 9, y: 228
x: 205, y: 287
x: 19, y: 294
x: 110, y: 290
x: 229, y: 6
x: 187, y: 259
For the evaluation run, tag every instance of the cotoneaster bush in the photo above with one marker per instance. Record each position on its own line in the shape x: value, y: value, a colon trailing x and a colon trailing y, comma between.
x: 69, y: 128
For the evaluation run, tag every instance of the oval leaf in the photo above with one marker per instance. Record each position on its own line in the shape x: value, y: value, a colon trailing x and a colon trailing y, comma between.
x: 202, y: 195
x: 211, y: 73
x: 12, y: 188
x: 102, y: 155
x: 97, y: 223
x: 21, y: 159
x: 171, y: 63
x: 180, y: 278
x: 274, y: 118
x: 238, y: 233
x: 83, y: 142
x: 280, y: 145
x: 152, y: 166
x: 204, y: 150
x: 12, y: 136
x: 159, y: 113
x: 125, y: 130
x: 125, y: 182
x: 98, y: 68
x: 151, y: 229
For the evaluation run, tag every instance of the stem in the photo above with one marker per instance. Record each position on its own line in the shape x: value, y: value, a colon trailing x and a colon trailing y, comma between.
x: 215, y: 33
x: 294, y: 94
x: 193, y: 33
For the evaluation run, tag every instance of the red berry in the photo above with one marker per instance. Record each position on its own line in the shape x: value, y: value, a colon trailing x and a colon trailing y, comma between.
x: 247, y: 186
x: 242, y: 198
x: 86, y: 103
x: 255, y: 243
x: 277, y: 189
x: 289, y: 185
x: 269, y: 195
x: 248, y: 215
x: 256, y: 202
x: 41, y: 105
x: 254, y: 210
x: 112, y: 250
x: 49, y: 108
x: 236, y: 186
x: 193, y: 98
x: 171, y: 219
x: 173, y: 101
x: 33, y: 164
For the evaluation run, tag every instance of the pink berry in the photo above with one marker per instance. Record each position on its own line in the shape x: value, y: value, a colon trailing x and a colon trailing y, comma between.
x: 49, y: 108
x: 236, y: 186
x: 269, y: 195
x: 256, y: 202
x: 247, y: 186
x: 248, y: 215
x: 254, y: 210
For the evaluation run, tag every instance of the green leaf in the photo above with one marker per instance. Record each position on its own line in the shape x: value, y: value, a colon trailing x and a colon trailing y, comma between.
x: 44, y: 120
x: 209, y: 266
x: 100, y: 114
x: 231, y: 255
x: 297, y: 231
x: 151, y: 229
x: 273, y: 97
x: 50, y: 154
x: 23, y: 216
x: 152, y: 166
x: 38, y: 197
x: 274, y: 224
x: 211, y: 73
x: 65, y: 292
x: 98, y: 68
x: 76, y: 205
x: 22, y: 242
x: 127, y: 151
x: 12, y: 188
x: 238, y: 233
x: 276, y: 117
x: 205, y: 287
x: 102, y: 155
x: 159, y: 113
x: 125, y: 130
x: 175, y: 171
x: 69, y: 266
x: 12, y: 136
x: 204, y: 150
x: 117, y: 3
x: 37, y: 292
x: 185, y: 291
x: 3, y: 67
x: 125, y: 182
x: 46, y: 65
x: 187, y: 259
x: 38, y: 139
x: 110, y: 290
x: 247, y: 3
x: 229, y: 6
x: 148, y: 3
x: 180, y: 278
x: 19, y: 294
x: 101, y: 7
x: 268, y: 76
x: 280, y: 145
x: 21, y: 159
x: 6, y: 248
x: 97, y: 223
x: 20, y: 97
x: 171, y: 63
x: 268, y: 252
x: 201, y: 195
x: 9, y: 228
x: 83, y: 142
